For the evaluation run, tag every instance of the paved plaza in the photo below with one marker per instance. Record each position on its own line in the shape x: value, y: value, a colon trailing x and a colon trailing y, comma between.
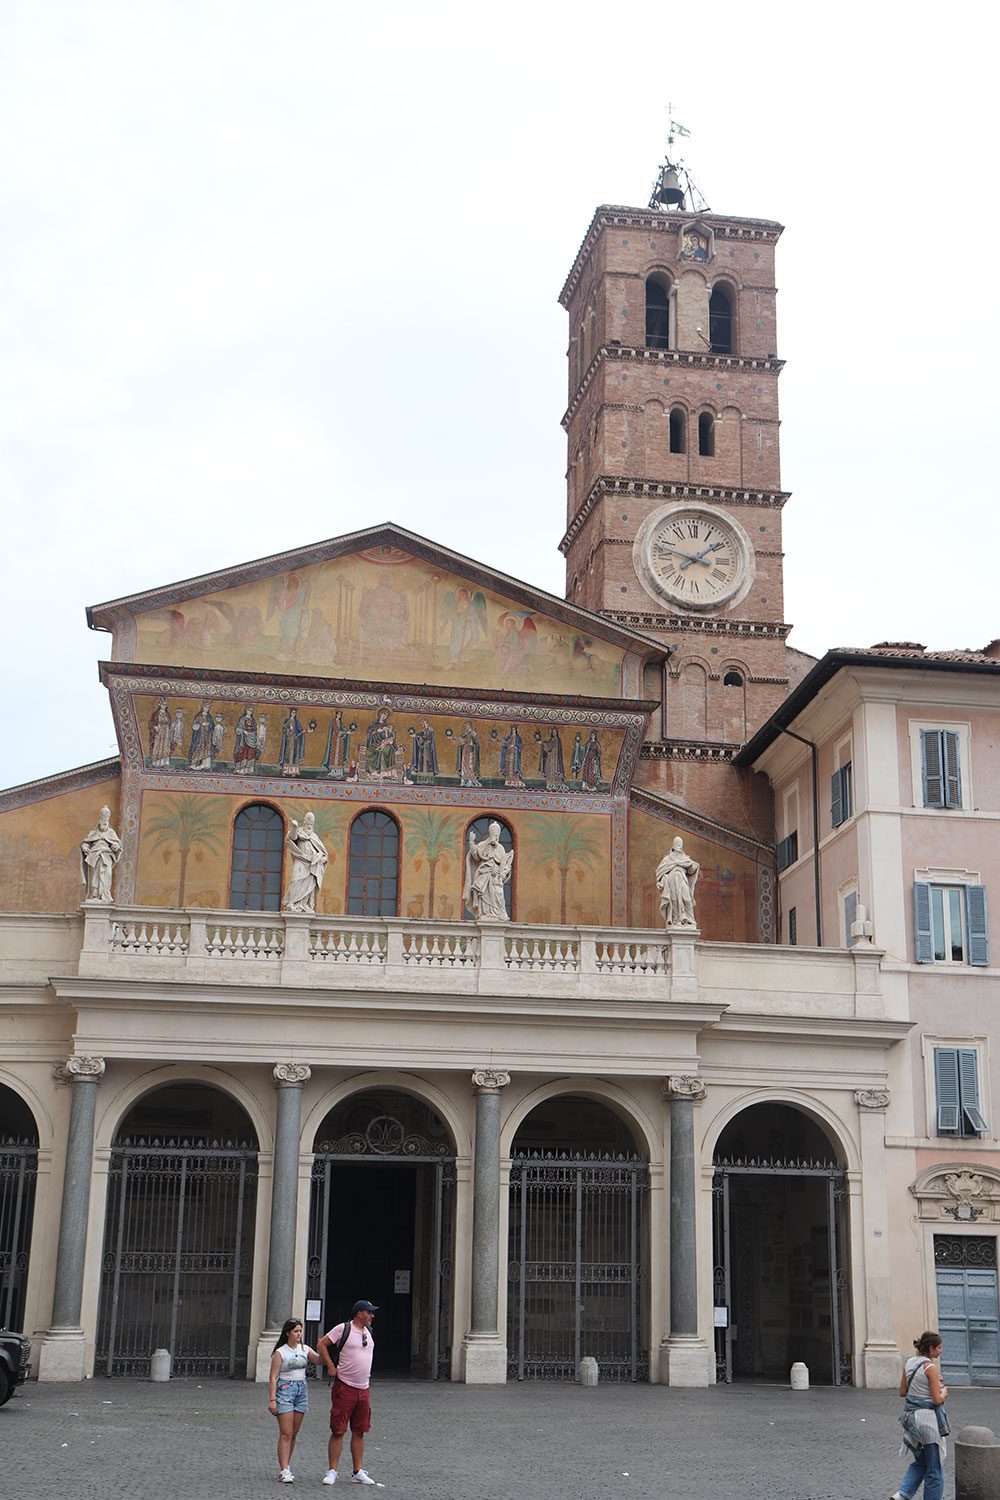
x: 211, y: 1441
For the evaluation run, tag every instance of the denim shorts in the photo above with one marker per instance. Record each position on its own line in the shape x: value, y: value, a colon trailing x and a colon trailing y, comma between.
x: 291, y: 1395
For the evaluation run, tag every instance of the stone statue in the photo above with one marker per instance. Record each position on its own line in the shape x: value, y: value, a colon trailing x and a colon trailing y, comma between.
x: 309, y: 862
x: 100, y: 851
x: 487, y: 869
x: 676, y: 877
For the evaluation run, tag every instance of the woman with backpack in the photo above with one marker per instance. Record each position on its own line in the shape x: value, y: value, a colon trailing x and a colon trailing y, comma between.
x: 288, y: 1394
x: 924, y: 1423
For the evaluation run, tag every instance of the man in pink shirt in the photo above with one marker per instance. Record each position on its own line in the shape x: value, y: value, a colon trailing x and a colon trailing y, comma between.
x: 351, y: 1371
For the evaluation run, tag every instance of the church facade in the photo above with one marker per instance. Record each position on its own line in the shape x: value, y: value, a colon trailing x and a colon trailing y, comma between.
x: 435, y: 941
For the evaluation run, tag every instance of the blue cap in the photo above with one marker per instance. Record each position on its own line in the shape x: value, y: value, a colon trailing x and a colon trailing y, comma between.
x: 363, y: 1306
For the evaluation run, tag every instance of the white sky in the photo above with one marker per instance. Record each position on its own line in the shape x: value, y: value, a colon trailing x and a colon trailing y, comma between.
x: 274, y: 271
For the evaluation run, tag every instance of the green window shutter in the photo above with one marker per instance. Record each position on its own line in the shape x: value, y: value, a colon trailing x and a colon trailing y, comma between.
x: 968, y: 1079
x: 978, y: 928
x: 947, y: 1090
x: 837, y: 798
x: 850, y: 912
x: 923, y: 939
x: 931, y: 769
x: 952, y: 769
x: 847, y: 789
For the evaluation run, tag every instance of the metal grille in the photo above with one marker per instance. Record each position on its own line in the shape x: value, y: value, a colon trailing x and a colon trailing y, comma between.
x: 727, y: 1273
x: 18, y: 1171
x: 576, y: 1267
x: 178, y: 1258
x: 388, y: 1139
x: 976, y: 1250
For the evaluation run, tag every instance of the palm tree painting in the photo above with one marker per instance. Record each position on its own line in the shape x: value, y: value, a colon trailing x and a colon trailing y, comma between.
x: 189, y: 824
x: 557, y: 843
x: 434, y: 836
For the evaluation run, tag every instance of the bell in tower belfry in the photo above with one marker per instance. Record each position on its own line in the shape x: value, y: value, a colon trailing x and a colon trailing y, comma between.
x: 668, y: 191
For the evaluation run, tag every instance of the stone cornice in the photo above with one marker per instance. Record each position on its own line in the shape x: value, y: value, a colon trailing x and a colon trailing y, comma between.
x: 688, y: 359
x: 655, y: 489
x: 63, y: 781
x: 758, y: 629
x: 617, y: 216
x: 692, y: 822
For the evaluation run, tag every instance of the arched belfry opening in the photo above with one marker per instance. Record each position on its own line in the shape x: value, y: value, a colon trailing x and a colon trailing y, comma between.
x: 18, y: 1174
x: 177, y: 1271
x: 382, y: 1226
x: 577, y: 1244
x: 782, y: 1278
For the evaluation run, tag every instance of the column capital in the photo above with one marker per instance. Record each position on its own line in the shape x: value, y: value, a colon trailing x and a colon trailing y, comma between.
x: 872, y: 1099
x: 290, y: 1075
x: 489, y: 1080
x: 76, y: 1068
x: 683, y: 1086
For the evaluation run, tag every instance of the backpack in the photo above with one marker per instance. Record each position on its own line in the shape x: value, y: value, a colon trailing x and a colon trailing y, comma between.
x: 335, y: 1350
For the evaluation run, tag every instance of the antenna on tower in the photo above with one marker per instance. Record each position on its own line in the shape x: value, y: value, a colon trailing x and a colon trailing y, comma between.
x: 674, y: 187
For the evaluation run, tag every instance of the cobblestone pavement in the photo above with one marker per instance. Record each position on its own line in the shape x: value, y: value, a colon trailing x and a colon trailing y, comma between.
x: 185, y: 1440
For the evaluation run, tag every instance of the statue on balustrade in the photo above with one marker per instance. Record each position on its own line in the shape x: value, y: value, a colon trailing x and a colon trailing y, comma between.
x: 676, y: 878
x: 100, y: 851
x: 309, y: 862
x: 488, y: 868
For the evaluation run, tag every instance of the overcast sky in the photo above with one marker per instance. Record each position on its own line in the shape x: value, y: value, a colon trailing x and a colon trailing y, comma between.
x: 273, y: 271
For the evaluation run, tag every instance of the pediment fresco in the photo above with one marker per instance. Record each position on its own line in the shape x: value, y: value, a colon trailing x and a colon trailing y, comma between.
x: 377, y: 614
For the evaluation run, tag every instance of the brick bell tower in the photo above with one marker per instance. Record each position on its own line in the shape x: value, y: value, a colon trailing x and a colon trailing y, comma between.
x: 674, y: 493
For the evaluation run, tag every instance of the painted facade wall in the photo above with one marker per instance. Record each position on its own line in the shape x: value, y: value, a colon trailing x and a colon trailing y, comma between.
x: 727, y: 885
x: 39, y: 847
x: 380, y: 614
x: 562, y: 860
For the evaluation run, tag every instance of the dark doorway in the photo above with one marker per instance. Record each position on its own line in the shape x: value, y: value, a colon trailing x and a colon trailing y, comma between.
x: 375, y: 1257
x: 781, y: 1280
x: 381, y: 1226
x: 18, y: 1171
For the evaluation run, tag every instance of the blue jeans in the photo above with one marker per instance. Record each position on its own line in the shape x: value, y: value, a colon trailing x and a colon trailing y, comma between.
x: 926, y: 1470
x: 290, y: 1395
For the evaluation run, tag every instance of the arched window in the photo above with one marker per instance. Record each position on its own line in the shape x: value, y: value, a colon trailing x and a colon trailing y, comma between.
x: 720, y: 321
x: 678, y: 430
x: 706, y: 434
x: 373, y: 866
x: 258, y: 854
x: 732, y: 679
x: 481, y: 829
x: 657, y: 314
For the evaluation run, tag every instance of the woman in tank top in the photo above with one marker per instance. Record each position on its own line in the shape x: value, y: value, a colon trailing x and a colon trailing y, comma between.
x: 923, y: 1432
x: 288, y: 1393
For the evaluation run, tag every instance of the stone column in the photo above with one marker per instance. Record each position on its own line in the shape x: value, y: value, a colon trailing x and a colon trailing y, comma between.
x: 288, y: 1079
x: 484, y: 1351
x: 882, y: 1360
x: 685, y: 1358
x: 63, y: 1352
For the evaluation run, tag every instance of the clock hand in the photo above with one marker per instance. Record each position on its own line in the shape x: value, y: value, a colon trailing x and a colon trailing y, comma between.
x: 702, y: 555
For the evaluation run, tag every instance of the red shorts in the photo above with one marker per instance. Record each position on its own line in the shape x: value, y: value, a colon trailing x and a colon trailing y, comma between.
x: 349, y: 1405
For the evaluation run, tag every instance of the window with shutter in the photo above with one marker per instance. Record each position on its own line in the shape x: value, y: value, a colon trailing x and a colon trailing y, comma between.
x: 923, y: 940
x: 946, y: 1085
x: 952, y: 768
x: 976, y: 920
x: 931, y: 770
x: 968, y: 1081
x: 836, y: 800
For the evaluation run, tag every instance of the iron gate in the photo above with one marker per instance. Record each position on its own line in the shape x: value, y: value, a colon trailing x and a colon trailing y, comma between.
x: 18, y: 1171
x: 968, y: 1315
x: 576, y: 1267
x: 388, y: 1140
x: 178, y: 1257
x: 838, y: 1291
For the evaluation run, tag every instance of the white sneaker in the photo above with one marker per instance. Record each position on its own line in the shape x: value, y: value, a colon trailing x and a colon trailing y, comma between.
x: 286, y: 1476
x: 330, y: 1477
x: 362, y: 1477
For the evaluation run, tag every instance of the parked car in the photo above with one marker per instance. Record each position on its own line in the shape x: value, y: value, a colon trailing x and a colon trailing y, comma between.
x: 15, y: 1362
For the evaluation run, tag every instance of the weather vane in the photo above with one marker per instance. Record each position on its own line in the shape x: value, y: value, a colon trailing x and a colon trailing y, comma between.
x: 674, y: 187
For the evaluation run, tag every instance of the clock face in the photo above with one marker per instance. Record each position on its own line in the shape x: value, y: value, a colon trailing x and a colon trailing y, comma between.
x: 695, y: 557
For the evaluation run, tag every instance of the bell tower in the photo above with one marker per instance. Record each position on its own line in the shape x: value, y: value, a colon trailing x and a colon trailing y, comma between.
x: 674, y: 493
